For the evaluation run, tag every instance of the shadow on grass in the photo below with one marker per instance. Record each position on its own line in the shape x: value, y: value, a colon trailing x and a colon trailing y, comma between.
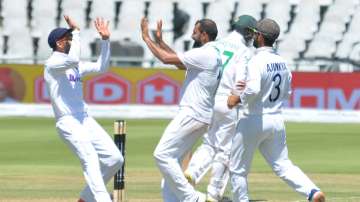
x: 226, y: 199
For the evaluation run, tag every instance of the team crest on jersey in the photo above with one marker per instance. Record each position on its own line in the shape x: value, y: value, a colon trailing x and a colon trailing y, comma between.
x: 74, y: 78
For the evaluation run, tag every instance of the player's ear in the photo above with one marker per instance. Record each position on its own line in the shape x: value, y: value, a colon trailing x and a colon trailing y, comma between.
x: 204, y: 37
x: 58, y: 44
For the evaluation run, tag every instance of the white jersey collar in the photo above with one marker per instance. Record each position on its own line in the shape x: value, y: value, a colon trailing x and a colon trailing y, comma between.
x: 59, y: 53
x: 265, y: 48
x: 238, y: 36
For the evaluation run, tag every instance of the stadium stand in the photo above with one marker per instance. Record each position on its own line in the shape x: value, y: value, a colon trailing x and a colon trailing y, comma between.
x: 250, y: 7
x: 351, y: 37
x: 279, y: 10
x: 302, y: 29
x: 228, y: 9
x: 195, y: 12
x: 42, y: 22
x: 323, y: 33
x: 16, y: 33
x: 331, y: 30
x: 128, y: 27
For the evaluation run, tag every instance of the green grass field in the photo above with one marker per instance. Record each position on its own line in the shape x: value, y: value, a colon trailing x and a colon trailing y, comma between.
x: 35, y: 165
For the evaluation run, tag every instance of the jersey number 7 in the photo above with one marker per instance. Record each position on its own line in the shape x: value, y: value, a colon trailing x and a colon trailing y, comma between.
x: 228, y: 55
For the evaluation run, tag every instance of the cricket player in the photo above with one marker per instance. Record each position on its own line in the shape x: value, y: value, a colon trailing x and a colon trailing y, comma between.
x: 268, y: 85
x: 98, y: 155
x: 215, y: 149
x: 202, y: 65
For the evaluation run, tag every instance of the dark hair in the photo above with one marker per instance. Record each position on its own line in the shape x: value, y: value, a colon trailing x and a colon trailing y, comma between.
x: 268, y: 41
x: 269, y: 29
x: 209, y: 27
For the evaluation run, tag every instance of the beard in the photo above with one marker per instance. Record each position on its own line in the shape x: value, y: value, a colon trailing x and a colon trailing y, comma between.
x: 250, y: 42
x: 256, y: 43
x: 197, y: 44
x: 67, y: 48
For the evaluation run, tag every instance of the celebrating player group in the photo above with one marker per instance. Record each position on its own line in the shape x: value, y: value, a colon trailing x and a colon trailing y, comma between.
x: 231, y: 97
x: 233, y: 93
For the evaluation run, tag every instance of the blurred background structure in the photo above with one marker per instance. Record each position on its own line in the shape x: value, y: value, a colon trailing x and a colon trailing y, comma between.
x: 319, y: 38
x: 316, y: 35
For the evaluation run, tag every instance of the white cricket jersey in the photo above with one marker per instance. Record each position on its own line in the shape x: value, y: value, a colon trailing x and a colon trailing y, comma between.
x: 63, y: 75
x: 235, y: 55
x: 201, y: 81
x: 268, y: 83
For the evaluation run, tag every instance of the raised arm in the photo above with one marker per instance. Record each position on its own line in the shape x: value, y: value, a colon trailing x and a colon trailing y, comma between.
x: 159, y: 38
x: 72, y: 58
x: 74, y: 52
x: 161, y: 53
x: 102, y: 63
x: 162, y: 43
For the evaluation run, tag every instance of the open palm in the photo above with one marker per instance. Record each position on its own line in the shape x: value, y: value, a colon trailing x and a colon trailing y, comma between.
x: 102, y: 27
x: 159, y: 31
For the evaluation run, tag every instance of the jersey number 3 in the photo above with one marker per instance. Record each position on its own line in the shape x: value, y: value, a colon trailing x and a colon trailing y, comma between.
x: 277, y: 80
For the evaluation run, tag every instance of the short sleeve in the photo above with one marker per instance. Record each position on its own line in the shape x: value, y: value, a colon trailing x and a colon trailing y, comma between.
x: 200, y: 58
x: 253, y: 81
x: 240, y: 64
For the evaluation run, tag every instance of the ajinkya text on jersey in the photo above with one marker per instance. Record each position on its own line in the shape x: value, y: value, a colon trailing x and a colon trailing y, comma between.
x: 275, y: 67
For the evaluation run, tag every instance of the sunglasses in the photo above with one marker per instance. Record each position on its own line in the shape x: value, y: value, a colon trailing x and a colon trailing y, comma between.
x: 253, y: 30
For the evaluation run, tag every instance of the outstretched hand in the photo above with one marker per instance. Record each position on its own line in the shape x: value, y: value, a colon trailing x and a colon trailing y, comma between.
x: 102, y: 27
x: 145, y: 28
x: 71, y: 23
x: 158, y: 34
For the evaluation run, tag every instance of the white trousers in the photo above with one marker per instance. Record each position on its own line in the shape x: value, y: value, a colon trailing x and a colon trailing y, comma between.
x: 214, y: 152
x: 266, y: 132
x: 99, y: 157
x: 179, y: 137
